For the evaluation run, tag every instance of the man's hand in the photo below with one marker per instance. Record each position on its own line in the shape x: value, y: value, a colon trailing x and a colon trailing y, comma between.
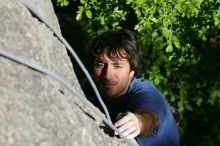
x: 128, y: 124
x: 142, y: 122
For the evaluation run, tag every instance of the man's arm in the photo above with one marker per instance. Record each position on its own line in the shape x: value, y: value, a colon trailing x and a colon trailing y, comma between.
x: 147, y: 121
x: 141, y: 122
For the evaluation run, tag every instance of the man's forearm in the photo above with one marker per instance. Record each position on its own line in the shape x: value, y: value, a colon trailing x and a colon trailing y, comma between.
x: 147, y: 121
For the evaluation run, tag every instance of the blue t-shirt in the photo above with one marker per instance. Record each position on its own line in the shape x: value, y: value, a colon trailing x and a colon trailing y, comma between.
x: 142, y: 94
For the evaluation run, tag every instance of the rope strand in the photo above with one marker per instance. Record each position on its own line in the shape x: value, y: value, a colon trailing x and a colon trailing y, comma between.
x: 70, y: 49
x: 45, y: 71
x: 65, y: 83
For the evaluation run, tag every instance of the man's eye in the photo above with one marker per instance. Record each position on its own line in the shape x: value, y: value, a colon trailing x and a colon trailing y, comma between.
x: 118, y: 66
x: 99, y: 64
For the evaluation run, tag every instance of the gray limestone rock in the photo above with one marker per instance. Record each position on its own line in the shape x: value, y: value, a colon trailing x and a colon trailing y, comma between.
x: 35, y: 109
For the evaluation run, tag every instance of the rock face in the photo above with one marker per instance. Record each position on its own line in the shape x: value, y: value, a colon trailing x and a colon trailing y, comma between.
x: 35, y: 109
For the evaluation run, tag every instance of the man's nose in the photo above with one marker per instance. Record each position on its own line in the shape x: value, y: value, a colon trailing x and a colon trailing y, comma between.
x: 107, y: 72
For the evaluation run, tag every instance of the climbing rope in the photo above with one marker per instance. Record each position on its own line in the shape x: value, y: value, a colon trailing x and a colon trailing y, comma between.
x: 70, y: 49
x: 58, y: 78
x: 45, y: 71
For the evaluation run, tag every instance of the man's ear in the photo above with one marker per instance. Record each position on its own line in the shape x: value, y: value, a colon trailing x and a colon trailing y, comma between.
x: 131, y: 73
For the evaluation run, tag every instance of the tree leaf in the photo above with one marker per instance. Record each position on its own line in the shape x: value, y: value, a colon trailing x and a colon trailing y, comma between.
x: 79, y: 16
x: 169, y: 48
x: 89, y: 14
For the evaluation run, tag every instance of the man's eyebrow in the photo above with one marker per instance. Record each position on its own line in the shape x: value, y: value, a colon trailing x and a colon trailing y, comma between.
x: 101, y: 60
x: 115, y: 61
x: 118, y: 62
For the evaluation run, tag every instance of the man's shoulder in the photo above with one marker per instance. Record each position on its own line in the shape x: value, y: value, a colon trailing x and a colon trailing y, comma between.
x: 141, y: 84
x: 143, y: 90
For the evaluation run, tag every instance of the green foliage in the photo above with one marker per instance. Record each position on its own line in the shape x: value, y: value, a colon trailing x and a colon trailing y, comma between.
x: 181, y: 52
x: 62, y: 3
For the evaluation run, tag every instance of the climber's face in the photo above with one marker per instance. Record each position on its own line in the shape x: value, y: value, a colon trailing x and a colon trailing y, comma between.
x: 112, y: 74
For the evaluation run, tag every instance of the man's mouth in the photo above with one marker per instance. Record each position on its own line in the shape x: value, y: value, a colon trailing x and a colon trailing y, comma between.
x: 108, y: 83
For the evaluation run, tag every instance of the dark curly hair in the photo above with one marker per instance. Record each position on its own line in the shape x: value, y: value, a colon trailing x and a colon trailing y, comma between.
x: 114, y: 43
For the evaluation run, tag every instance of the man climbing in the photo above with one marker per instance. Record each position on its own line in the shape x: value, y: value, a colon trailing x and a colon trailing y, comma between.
x: 136, y: 106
